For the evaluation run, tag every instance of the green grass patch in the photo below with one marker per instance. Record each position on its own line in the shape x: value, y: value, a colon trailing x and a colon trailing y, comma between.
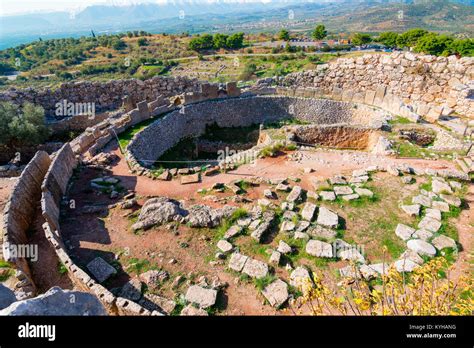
x: 262, y: 283
x: 126, y: 137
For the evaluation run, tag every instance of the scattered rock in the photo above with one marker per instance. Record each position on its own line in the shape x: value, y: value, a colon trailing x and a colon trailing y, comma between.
x: 255, y: 268
x: 327, y: 195
x: 327, y: 218
x: 442, y: 242
x: 154, y: 277
x: 301, y: 235
x: 157, y: 211
x: 132, y: 290
x: 276, y: 293
x: 295, y: 194
x: 100, y: 269
x: 233, y: 231
x: 275, y: 258
x: 237, y: 262
x: 441, y: 206
x: 350, y: 197
x: 322, y: 232
x: 427, y: 223
x: 421, y: 247
x: 422, y: 200
x: 351, y: 254
x: 319, y: 249
x: 190, y: 179
x: 269, y: 194
x: 441, y: 187
x: 224, y: 246
x: 308, y: 211
x: 284, y: 248
x: 405, y: 265
x: 422, y: 234
x: 404, y: 232
x: 451, y: 200
x: 363, y: 192
x: 203, y: 297
x: 342, y: 190
x: 299, y: 277
x: 412, y: 256
x: 411, y: 210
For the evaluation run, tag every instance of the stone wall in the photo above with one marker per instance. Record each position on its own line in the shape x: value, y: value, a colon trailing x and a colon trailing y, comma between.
x: 149, y: 144
x: 18, y: 216
x: 106, y: 95
x: 430, y: 86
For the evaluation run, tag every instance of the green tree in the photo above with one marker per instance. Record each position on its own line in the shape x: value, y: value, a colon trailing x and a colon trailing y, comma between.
x: 22, y: 126
x: 142, y: 41
x: 388, y: 38
x: 464, y: 47
x: 202, y: 42
x: 284, y: 35
x: 248, y: 71
x: 361, y: 39
x: 220, y: 41
x: 319, y: 32
x: 410, y: 37
x: 434, y: 44
x: 235, y: 41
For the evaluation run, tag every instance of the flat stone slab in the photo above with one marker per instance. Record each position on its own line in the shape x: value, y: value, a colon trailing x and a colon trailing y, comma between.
x: 350, y: 197
x: 359, y: 179
x: 322, y: 232
x: 422, y: 200
x: 342, y: 190
x: 327, y: 195
x: 308, y: 211
x: 421, y: 247
x: 100, y: 269
x: 190, y: 179
x: 301, y: 235
x: 422, y: 234
x: 276, y: 293
x: 232, y: 231
x: 203, y: 297
x: 299, y: 277
x: 132, y: 290
x: 224, y: 246
x: 338, y: 180
x: 411, y: 210
x: 359, y: 172
x: 363, y: 192
x: 412, y: 256
x: 319, y: 249
x: 429, y: 224
x: 441, y: 206
x: 349, y: 272
x: 451, y: 200
x: 255, y: 269
x: 441, y: 187
x: 295, y: 194
x: 327, y: 217
x: 442, y: 242
x: 433, y: 213
x: 404, y: 232
x: 237, y: 262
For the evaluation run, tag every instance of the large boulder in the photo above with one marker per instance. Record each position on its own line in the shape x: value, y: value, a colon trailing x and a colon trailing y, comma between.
x: 157, y: 211
x: 319, y: 249
x: 57, y: 301
x: 200, y: 215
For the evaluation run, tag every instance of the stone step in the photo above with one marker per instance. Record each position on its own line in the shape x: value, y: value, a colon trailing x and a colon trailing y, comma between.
x: 463, y: 165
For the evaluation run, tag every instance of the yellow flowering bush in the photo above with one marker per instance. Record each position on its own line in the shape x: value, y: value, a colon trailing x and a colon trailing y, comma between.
x: 428, y: 290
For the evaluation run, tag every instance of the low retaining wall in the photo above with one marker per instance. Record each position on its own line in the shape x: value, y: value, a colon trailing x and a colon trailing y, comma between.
x: 18, y: 216
x: 149, y: 144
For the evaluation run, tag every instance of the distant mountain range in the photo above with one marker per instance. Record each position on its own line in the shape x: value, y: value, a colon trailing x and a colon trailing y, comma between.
x: 455, y: 16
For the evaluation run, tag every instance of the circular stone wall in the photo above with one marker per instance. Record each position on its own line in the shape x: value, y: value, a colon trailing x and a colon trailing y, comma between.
x: 191, y: 120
